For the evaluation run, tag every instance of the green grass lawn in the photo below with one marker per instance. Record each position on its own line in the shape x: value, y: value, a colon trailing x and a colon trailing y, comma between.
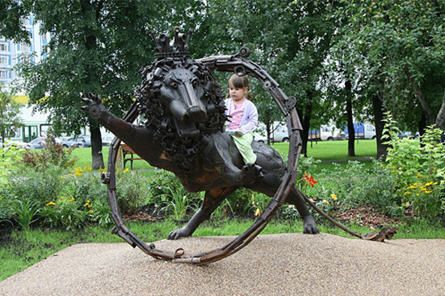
x: 327, y: 151
x: 334, y: 150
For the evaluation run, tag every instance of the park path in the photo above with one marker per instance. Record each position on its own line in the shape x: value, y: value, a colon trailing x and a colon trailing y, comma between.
x: 284, y: 264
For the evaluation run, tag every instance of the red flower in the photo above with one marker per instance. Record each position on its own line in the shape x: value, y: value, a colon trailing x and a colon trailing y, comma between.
x: 309, y: 179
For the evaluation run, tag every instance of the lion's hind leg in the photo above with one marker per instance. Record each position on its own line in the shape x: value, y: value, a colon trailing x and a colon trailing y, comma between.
x: 212, y: 200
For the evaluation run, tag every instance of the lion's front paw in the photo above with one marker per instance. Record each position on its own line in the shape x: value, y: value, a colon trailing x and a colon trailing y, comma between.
x: 93, y: 105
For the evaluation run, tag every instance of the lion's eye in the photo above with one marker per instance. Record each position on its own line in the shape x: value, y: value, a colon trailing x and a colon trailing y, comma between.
x: 195, y: 82
x: 173, y: 84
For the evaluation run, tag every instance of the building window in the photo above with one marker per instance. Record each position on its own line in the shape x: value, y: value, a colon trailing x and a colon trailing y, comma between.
x: 4, y: 60
x: 25, y: 47
x: 4, y: 74
x: 3, y: 47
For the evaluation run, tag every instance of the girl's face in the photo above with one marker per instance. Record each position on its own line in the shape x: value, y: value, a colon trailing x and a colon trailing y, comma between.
x: 237, y: 94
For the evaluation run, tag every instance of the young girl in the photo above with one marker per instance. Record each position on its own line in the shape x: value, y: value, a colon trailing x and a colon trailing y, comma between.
x: 243, y: 119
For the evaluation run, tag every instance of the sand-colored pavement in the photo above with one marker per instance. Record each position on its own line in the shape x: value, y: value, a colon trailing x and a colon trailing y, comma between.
x: 286, y: 264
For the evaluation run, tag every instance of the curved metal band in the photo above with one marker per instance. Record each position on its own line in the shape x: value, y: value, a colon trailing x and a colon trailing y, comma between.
x: 224, y: 64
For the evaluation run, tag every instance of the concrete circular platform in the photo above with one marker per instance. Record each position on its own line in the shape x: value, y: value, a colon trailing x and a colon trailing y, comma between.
x: 285, y: 264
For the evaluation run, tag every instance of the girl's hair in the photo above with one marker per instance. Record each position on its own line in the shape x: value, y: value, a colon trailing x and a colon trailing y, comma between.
x: 238, y: 81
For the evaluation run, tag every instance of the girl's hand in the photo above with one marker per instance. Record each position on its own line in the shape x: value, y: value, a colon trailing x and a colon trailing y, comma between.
x: 238, y: 134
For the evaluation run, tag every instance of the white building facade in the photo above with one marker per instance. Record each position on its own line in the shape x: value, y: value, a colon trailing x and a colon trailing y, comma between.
x: 12, y: 53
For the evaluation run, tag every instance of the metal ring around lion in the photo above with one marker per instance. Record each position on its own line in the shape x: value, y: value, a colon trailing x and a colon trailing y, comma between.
x: 222, y: 63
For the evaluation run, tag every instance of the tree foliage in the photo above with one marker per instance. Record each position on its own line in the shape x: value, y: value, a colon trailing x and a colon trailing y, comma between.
x: 99, y: 47
x: 11, y: 15
x: 399, y: 47
x: 9, y: 114
x: 391, y: 52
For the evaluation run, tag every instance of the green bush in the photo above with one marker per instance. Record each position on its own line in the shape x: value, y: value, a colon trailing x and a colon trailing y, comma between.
x: 246, y: 203
x: 65, y: 212
x: 34, y: 179
x: 83, y: 185
x: 54, y: 154
x: 9, y: 157
x: 178, y: 204
x: 354, y: 185
x: 132, y: 191
x: 86, y: 187
x: 100, y: 213
x: 37, y: 186
x: 6, y: 209
x: 169, y: 197
x: 419, y: 170
x: 25, y: 212
x: 289, y: 212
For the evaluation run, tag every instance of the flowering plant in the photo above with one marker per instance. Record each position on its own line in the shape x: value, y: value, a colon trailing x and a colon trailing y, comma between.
x: 309, y: 179
x: 419, y: 170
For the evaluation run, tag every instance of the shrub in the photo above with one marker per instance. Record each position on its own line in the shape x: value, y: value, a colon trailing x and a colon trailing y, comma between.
x: 65, y: 212
x: 354, y: 185
x: 178, y: 203
x: 6, y: 210
x: 100, y: 213
x: 25, y: 212
x: 168, y: 196
x: 83, y: 185
x: 289, y: 212
x: 37, y: 186
x: 9, y: 157
x: 54, y: 154
x: 132, y: 191
x: 419, y: 170
x: 246, y: 203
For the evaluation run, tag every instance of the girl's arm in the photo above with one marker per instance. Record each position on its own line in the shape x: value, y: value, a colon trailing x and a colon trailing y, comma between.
x: 252, y: 119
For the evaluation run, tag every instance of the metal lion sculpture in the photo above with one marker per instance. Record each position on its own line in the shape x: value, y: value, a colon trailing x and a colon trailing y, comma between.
x: 183, y: 109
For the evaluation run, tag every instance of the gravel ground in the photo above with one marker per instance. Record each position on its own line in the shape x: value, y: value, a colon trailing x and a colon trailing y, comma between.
x: 285, y: 264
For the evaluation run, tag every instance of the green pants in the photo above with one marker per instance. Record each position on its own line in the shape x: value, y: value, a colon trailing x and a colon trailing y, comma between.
x: 244, y: 145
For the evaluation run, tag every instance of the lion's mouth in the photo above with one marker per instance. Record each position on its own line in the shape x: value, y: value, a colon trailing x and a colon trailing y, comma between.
x: 187, y: 129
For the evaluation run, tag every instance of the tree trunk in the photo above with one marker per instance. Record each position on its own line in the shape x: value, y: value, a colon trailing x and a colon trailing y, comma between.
x: 422, y: 123
x: 96, y: 146
x: 427, y: 111
x: 350, y: 119
x: 91, y: 80
x: 2, y: 135
x: 377, y: 106
x: 440, y: 118
x: 306, y: 125
x: 268, y: 132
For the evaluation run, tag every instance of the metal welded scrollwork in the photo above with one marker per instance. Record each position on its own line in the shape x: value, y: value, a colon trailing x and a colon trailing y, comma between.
x: 184, y: 114
x: 231, y: 64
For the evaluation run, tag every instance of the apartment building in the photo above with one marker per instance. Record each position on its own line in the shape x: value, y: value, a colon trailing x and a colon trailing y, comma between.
x: 12, y: 53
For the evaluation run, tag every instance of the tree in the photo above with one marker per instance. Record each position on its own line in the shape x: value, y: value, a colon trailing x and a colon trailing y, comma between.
x: 268, y: 113
x: 401, y: 44
x: 11, y: 25
x: 290, y: 39
x: 97, y: 46
x: 92, y: 49
x: 9, y: 115
x: 309, y: 30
